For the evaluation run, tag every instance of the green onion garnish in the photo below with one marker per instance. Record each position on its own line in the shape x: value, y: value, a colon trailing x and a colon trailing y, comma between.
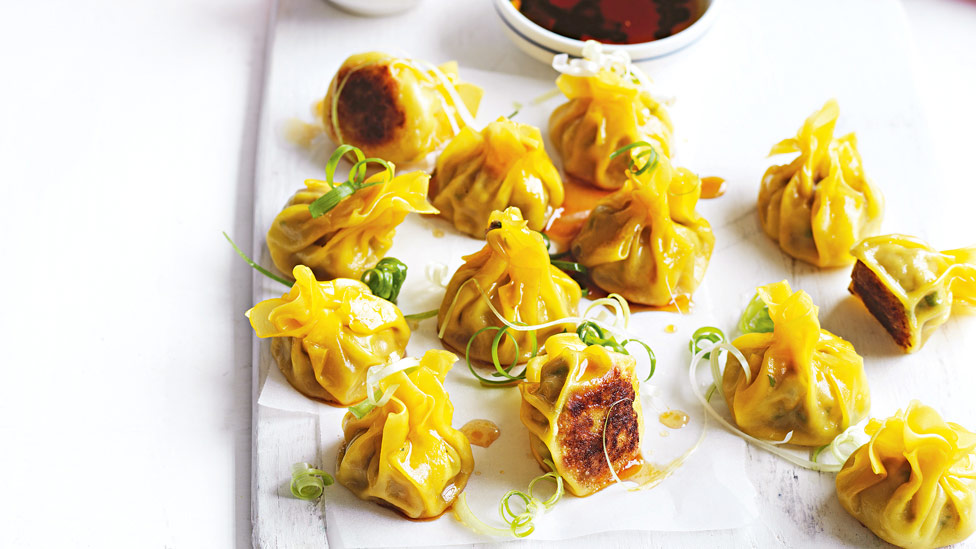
x: 357, y: 178
x: 421, y: 316
x: 772, y: 380
x: 257, y: 267
x: 517, y: 106
x: 755, y: 318
x: 386, y: 278
x: 570, y: 267
x: 503, y: 376
x: 592, y: 333
x: 647, y: 154
x: 706, y: 333
x: 521, y: 522
x: 307, y: 482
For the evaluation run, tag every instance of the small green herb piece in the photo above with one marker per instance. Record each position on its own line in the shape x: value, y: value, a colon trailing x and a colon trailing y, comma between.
x: 570, y: 267
x: 517, y: 106
x: 421, y: 316
x: 933, y: 299
x: 592, y: 333
x: 360, y: 410
x: 772, y: 380
x: 257, y: 267
x: 755, y: 318
x: 357, y: 179
x: 646, y: 154
x: 705, y: 333
x: 386, y: 278
x: 307, y: 482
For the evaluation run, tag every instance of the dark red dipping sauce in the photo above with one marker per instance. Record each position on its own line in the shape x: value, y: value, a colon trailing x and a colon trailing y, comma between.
x: 612, y: 21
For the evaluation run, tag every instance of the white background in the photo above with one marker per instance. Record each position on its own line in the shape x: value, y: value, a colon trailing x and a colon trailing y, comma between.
x: 126, y: 145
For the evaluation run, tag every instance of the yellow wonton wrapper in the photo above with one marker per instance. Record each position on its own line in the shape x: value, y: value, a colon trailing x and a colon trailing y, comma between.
x: 914, y: 483
x: 397, y: 109
x: 351, y: 237
x: 405, y: 454
x: 326, y: 335
x: 821, y: 203
x: 566, y: 396
x: 929, y: 284
x: 604, y: 113
x: 514, y: 272
x: 803, y: 379
x: 646, y: 242
x: 504, y: 165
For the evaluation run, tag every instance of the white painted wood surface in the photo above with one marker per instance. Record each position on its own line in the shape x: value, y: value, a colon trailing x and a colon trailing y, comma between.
x: 799, y: 508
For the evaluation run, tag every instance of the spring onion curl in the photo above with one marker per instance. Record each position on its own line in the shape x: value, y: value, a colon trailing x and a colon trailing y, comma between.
x: 606, y: 453
x: 257, y: 267
x: 503, y: 376
x: 307, y: 482
x: 646, y: 157
x: 356, y: 181
x: 592, y: 333
x: 520, y: 521
x: 717, y: 351
x: 843, y: 445
x: 710, y: 335
x: 374, y: 397
x: 755, y: 317
x: 386, y: 278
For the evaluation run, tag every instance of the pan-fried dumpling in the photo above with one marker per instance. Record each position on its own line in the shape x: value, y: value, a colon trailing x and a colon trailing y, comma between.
x: 351, y: 237
x: 569, y: 394
x: 910, y: 287
x: 504, y: 165
x: 821, y: 203
x: 514, y: 273
x: 646, y: 242
x: 397, y: 109
x: 325, y: 335
x: 914, y: 483
x: 607, y: 110
x: 803, y: 379
x: 405, y: 454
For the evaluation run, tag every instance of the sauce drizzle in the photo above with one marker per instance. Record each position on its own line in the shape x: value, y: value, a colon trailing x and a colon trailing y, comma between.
x: 481, y: 432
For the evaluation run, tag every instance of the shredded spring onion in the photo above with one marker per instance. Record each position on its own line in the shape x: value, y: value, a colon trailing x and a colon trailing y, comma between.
x: 307, y: 482
x: 386, y: 278
x: 520, y: 518
x: 421, y: 316
x: 645, y: 157
x: 708, y: 334
x: 606, y: 453
x: 257, y: 267
x: 716, y: 352
x: 755, y: 317
x: 356, y: 181
x: 517, y: 106
x: 374, y: 375
x: 592, y: 333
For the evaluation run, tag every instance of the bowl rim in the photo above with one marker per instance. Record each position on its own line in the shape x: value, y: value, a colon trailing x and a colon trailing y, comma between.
x: 656, y: 48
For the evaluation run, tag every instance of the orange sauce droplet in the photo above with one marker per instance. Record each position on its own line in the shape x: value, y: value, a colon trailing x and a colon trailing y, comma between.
x: 674, y: 419
x: 438, y: 233
x: 670, y: 328
x: 481, y: 432
x: 712, y: 187
x: 569, y: 218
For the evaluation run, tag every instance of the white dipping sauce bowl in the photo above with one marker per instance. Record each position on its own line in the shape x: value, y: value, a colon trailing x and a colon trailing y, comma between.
x: 543, y: 44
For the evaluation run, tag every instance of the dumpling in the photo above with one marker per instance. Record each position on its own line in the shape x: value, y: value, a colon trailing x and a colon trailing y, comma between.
x: 821, y: 203
x: 911, y: 288
x: 504, y: 165
x: 351, y: 237
x: 568, y: 395
x: 514, y: 273
x: 397, y: 109
x: 605, y: 111
x: 914, y: 483
x: 326, y: 335
x: 405, y: 454
x: 804, y: 380
x: 646, y: 242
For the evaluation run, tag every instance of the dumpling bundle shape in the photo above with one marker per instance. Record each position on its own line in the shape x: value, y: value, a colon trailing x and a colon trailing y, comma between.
x: 646, y: 242
x: 405, y: 454
x: 397, y: 109
x: 504, y: 165
x: 326, y: 335
x: 607, y: 110
x: 512, y: 274
x: 354, y: 235
x: 571, y: 394
x: 803, y: 379
x: 910, y: 287
x: 820, y: 204
x: 914, y: 483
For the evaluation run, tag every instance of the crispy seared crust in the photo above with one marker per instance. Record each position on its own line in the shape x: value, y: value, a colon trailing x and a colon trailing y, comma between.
x: 883, y: 304
x: 368, y: 111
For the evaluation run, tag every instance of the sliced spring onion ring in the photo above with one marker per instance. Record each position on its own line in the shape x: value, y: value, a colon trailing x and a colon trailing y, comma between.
x: 307, y: 482
x: 503, y: 376
x: 437, y: 274
x: 386, y: 278
x: 257, y: 267
x: 706, y: 333
x: 520, y: 523
x: 755, y: 317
